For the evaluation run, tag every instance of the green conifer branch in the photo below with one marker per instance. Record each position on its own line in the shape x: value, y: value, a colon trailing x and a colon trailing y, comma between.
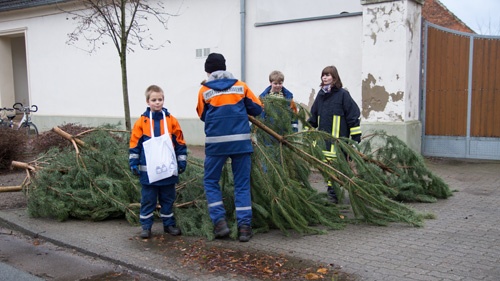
x: 377, y: 175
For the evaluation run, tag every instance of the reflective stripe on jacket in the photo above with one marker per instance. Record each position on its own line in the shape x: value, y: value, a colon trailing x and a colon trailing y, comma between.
x: 337, y: 114
x: 141, y: 132
x: 224, y: 105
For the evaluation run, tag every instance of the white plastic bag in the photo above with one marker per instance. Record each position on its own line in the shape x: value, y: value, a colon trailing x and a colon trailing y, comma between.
x: 160, y: 155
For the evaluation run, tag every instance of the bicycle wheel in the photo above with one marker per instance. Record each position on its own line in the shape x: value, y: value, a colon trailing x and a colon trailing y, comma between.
x: 30, y: 129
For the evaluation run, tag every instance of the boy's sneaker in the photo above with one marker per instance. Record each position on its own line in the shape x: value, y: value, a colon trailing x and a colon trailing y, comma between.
x: 221, y: 229
x: 332, y: 197
x: 245, y: 233
x: 172, y: 230
x: 145, y: 233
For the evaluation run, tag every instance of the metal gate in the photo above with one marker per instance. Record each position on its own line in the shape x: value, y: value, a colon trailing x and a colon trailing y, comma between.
x: 461, y: 94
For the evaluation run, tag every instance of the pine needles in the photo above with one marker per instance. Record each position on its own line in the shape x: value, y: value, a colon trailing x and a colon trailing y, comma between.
x: 91, y: 180
x: 376, y: 182
x: 91, y: 184
x: 410, y: 176
x: 282, y: 196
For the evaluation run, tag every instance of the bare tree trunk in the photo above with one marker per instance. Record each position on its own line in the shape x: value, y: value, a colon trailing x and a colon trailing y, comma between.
x: 126, y: 106
x: 123, y: 21
x: 123, y: 64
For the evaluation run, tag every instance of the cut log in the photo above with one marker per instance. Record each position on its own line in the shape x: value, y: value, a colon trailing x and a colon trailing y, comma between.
x: 67, y: 136
x: 10, y: 188
x: 22, y: 165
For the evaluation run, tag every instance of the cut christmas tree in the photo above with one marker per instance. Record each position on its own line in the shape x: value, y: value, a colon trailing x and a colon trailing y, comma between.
x: 90, y: 179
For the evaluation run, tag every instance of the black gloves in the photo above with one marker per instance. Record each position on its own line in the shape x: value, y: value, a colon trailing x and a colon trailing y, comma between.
x: 135, y: 170
x: 356, y: 138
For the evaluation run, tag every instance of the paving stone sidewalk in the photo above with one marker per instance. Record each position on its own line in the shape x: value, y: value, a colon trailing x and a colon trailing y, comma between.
x: 462, y: 243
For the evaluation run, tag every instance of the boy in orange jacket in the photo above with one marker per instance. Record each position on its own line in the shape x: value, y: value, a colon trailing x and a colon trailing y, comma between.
x: 152, y: 124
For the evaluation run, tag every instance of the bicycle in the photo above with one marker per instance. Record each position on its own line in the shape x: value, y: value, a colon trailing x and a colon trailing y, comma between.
x: 9, y: 122
x: 26, y: 124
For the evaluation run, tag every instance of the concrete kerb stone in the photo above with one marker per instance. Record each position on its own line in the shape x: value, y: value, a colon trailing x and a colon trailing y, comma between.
x: 109, y: 240
x: 7, y: 218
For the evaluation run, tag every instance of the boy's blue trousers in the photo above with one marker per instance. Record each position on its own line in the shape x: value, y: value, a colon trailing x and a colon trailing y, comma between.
x: 150, y: 196
x: 241, y: 165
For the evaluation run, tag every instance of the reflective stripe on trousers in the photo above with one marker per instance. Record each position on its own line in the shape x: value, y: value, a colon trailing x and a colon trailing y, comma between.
x: 150, y: 196
x: 241, y: 165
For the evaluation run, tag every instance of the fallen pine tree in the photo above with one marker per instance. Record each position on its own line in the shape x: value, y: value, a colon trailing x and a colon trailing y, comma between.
x: 378, y: 174
x: 90, y: 180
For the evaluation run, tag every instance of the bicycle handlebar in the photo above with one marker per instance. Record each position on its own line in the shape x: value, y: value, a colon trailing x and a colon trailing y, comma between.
x: 7, y: 109
x: 19, y: 106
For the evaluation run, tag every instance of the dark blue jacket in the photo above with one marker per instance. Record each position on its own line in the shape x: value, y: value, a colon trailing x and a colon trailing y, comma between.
x: 142, y: 132
x: 224, y: 105
x: 336, y: 113
x: 293, y: 107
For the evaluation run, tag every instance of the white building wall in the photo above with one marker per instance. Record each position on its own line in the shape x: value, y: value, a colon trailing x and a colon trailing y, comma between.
x: 391, y: 48
x: 20, y: 69
x: 303, y: 48
x: 200, y: 24
x: 63, y: 80
x: 70, y: 85
x: 278, y: 10
x: 390, y: 68
x: 66, y: 81
x: 6, y: 74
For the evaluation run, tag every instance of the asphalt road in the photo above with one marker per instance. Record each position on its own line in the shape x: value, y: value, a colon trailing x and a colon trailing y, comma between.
x: 11, y: 273
x: 24, y: 258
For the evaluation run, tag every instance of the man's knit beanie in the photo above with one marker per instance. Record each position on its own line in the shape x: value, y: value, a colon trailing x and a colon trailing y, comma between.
x: 215, y: 62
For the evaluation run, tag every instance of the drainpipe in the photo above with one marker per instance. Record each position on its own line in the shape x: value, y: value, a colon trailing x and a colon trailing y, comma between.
x: 242, y: 39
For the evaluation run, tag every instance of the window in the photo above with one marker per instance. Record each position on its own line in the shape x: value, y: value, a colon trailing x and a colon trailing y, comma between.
x: 202, y: 53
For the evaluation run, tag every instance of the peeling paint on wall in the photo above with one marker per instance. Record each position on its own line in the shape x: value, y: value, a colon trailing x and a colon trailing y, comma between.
x: 398, y: 96
x: 413, y: 22
x: 373, y: 97
x: 374, y: 38
x: 382, y: 19
x: 376, y: 98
